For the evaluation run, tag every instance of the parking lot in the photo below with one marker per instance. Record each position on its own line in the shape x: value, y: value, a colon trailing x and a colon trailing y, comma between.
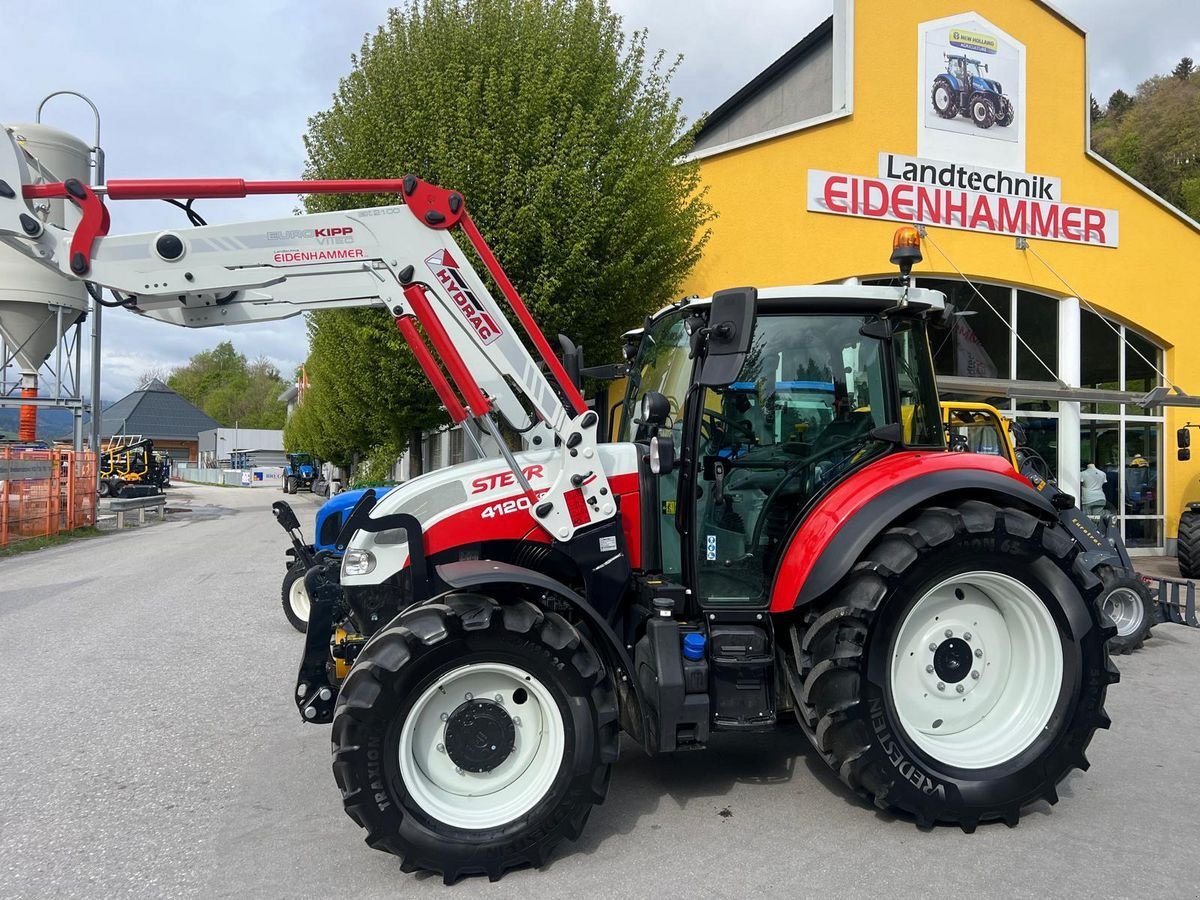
x: 151, y: 749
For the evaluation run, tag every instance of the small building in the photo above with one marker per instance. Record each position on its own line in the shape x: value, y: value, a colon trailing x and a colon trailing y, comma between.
x: 241, y: 448
x: 155, y: 411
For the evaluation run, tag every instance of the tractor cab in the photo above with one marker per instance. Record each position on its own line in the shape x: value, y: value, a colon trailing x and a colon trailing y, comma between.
x: 832, y: 378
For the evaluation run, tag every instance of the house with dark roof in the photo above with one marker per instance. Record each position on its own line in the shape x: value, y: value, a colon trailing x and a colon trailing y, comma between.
x: 157, y: 412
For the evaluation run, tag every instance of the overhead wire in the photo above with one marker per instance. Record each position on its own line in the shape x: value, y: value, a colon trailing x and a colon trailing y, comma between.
x: 991, y: 306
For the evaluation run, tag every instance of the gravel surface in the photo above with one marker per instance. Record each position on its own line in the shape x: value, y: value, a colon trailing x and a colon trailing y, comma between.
x: 151, y: 749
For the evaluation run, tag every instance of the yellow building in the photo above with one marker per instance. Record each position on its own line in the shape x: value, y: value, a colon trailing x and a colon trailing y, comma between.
x: 1075, y: 286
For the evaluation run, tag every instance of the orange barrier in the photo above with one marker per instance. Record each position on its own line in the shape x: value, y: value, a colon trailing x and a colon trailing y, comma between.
x: 44, y: 492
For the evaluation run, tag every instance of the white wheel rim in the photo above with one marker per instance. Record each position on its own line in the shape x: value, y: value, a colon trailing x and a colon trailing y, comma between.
x: 993, y: 712
x: 1124, y: 607
x: 943, y: 98
x: 475, y: 800
x: 298, y: 598
x: 980, y: 110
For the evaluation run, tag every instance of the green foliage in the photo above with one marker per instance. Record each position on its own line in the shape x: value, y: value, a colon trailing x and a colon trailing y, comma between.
x: 1184, y: 68
x: 1155, y: 137
x: 562, y: 134
x: 230, y: 390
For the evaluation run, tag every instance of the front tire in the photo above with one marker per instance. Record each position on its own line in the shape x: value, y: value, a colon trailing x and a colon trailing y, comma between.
x: 289, y: 485
x: 1019, y: 698
x: 983, y: 113
x: 296, y: 604
x: 408, y: 752
x: 1128, y: 603
x: 1005, y: 116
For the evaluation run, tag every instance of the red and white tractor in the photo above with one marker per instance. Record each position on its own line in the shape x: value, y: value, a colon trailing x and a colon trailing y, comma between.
x: 779, y: 532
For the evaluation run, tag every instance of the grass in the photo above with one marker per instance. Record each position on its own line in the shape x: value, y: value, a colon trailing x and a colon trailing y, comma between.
x: 26, y: 545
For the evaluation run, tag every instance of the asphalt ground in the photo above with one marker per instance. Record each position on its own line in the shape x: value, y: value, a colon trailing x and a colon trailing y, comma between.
x: 150, y: 748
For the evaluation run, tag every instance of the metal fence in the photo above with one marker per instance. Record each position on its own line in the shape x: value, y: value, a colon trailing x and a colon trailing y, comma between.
x: 1176, y: 600
x: 44, y: 492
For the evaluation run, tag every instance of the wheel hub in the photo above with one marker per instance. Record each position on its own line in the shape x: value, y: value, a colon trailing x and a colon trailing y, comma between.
x: 952, y: 660
x: 480, y: 735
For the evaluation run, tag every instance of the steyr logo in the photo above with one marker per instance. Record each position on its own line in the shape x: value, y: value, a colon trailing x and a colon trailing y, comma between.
x: 450, y: 277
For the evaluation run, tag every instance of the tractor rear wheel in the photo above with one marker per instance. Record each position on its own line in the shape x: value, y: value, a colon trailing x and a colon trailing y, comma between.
x: 1187, y: 548
x: 983, y: 113
x: 959, y: 672
x: 470, y: 737
x: 289, y: 485
x: 295, y: 597
x: 105, y: 487
x: 945, y: 99
x: 1127, y: 601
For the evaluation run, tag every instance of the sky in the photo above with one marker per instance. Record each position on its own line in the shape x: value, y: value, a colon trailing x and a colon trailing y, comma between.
x: 223, y: 88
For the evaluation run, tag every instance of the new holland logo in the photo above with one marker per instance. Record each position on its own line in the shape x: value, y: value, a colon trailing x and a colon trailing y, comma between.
x: 450, y: 277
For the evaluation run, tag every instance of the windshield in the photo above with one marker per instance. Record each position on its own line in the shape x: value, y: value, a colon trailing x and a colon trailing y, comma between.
x: 661, y: 365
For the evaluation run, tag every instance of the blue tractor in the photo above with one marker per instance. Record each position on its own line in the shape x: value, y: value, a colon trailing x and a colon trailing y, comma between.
x: 300, y: 472
x: 964, y: 90
x: 301, y: 556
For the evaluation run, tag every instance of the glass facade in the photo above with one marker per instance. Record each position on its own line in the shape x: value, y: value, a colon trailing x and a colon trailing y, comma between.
x: 1124, y: 441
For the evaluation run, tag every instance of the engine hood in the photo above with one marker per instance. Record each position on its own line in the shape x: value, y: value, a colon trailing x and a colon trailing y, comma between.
x: 474, y: 502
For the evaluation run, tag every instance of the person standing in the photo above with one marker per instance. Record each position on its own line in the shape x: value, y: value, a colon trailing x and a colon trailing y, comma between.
x: 1092, y: 481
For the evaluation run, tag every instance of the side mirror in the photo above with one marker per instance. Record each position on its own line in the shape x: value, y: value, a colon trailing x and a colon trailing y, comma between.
x: 572, y: 360
x: 1183, y: 454
x: 662, y: 455
x: 729, y: 332
x: 1183, y: 440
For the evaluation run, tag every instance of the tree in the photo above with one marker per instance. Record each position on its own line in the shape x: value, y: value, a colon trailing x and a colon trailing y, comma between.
x: 1157, y: 139
x: 154, y: 373
x: 562, y: 134
x: 1184, y: 68
x: 1118, y: 104
x: 1097, y: 112
x: 221, y: 383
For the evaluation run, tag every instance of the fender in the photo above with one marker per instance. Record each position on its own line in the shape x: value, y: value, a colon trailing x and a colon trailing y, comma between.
x: 831, y: 537
x: 949, y: 79
x: 474, y: 573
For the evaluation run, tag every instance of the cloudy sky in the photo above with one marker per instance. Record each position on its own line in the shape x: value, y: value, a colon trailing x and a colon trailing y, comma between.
x: 224, y: 88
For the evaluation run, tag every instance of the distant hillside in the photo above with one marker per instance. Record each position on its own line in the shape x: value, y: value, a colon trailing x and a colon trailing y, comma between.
x: 52, y: 423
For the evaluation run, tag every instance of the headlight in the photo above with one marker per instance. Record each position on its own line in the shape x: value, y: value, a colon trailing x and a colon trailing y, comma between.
x: 358, y: 562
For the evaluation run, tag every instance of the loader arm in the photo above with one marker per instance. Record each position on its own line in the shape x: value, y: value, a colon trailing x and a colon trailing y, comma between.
x: 402, y: 257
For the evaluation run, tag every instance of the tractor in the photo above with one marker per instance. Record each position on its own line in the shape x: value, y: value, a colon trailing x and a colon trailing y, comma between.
x: 964, y: 90
x: 300, y: 472
x: 778, y: 534
x: 301, y: 556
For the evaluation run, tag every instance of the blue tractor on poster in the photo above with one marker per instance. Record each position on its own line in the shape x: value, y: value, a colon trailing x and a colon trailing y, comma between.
x: 963, y: 89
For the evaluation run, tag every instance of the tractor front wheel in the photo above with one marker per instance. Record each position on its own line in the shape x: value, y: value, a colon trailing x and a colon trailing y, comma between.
x: 470, y: 737
x: 1129, y: 604
x: 295, y: 597
x: 983, y: 113
x: 1005, y: 116
x: 945, y: 99
x: 289, y: 485
x: 959, y: 673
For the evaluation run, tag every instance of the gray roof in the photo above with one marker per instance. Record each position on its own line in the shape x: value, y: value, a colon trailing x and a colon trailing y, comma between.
x: 155, y: 411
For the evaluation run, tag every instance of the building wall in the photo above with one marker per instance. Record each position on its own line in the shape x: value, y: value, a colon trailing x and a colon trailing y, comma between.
x: 767, y: 237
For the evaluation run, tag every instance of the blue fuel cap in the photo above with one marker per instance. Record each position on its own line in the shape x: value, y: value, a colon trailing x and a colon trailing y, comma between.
x: 693, y: 646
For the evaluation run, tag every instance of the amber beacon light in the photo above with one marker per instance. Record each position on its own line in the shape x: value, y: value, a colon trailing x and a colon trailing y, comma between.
x: 906, y: 249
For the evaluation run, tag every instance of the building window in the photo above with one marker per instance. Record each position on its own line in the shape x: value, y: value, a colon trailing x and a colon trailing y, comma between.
x: 434, y: 442
x: 1037, y: 328
x: 456, y: 445
x: 977, y: 343
x: 1124, y: 440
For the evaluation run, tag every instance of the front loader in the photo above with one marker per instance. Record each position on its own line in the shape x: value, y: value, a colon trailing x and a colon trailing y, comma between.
x: 778, y: 533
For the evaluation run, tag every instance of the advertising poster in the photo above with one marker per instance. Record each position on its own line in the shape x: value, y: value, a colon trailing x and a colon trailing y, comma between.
x: 971, y: 91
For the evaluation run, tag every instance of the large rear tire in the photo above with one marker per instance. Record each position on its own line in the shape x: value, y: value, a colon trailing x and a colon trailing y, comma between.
x: 959, y: 672
x: 296, y: 604
x: 1129, y: 604
x: 411, y: 715
x: 1187, y: 548
x: 944, y: 98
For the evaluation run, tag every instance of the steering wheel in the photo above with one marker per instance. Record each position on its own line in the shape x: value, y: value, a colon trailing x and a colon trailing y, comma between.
x: 731, y: 424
